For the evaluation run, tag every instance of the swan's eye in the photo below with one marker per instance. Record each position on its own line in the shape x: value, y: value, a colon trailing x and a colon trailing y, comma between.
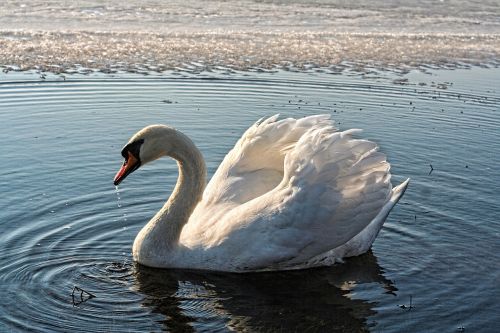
x: 124, y: 153
x: 134, y: 148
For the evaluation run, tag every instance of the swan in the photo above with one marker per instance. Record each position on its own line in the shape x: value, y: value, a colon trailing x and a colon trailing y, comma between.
x: 291, y: 194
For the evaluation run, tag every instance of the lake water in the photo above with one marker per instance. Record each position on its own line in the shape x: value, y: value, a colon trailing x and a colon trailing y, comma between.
x: 80, y: 77
x: 63, y: 224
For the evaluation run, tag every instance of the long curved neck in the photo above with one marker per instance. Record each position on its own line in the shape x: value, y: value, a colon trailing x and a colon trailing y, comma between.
x: 187, y: 192
x: 163, y: 230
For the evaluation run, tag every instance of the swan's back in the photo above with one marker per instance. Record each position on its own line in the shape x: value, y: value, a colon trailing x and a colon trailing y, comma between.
x: 289, y: 191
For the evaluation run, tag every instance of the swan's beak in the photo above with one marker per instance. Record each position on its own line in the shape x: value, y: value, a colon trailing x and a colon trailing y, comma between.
x: 129, y: 165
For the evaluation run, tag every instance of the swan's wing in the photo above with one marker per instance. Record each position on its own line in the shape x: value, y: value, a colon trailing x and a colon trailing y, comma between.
x: 333, y: 187
x: 342, y: 183
x: 252, y: 168
x: 255, y: 165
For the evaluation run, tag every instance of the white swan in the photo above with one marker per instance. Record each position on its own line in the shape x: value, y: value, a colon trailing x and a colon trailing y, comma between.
x: 292, y: 193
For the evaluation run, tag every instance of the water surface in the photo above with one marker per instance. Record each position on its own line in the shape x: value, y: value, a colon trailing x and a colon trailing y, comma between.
x: 63, y: 224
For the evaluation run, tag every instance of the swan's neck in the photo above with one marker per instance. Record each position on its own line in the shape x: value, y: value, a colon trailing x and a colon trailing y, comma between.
x: 162, y: 232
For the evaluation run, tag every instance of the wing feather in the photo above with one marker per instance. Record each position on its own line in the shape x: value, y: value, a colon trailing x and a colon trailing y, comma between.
x: 258, y: 155
x: 288, y: 191
x: 333, y: 187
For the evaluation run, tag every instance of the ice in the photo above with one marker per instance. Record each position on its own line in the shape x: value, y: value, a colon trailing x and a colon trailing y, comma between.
x: 194, y: 35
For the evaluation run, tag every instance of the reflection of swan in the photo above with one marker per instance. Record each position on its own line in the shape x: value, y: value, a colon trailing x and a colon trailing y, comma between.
x: 295, y: 301
x: 290, y: 194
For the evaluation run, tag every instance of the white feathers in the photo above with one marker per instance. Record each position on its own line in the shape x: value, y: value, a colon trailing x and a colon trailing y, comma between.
x: 255, y: 165
x: 292, y: 193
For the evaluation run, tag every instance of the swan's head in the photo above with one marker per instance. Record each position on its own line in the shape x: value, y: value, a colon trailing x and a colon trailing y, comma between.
x: 147, y: 145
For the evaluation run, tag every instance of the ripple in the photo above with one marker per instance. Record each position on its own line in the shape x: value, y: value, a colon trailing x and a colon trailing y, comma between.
x: 63, y: 224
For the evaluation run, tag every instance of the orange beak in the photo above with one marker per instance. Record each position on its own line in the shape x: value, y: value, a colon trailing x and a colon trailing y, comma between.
x: 130, y: 164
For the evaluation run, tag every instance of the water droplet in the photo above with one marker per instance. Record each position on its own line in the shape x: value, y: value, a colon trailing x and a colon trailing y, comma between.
x: 118, y: 197
x: 118, y: 203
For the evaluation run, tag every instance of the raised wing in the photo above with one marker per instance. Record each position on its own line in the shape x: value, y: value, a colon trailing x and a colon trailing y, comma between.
x: 347, y: 180
x: 289, y: 190
x: 255, y: 165
x: 333, y: 187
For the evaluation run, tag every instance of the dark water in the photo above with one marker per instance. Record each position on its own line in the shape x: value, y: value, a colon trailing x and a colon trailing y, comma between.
x: 63, y: 224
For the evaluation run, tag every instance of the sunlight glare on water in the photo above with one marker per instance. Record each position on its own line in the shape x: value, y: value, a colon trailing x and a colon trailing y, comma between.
x: 141, y: 36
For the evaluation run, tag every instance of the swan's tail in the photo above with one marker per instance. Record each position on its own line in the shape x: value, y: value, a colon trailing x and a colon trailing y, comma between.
x: 398, y: 192
x: 362, y: 242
